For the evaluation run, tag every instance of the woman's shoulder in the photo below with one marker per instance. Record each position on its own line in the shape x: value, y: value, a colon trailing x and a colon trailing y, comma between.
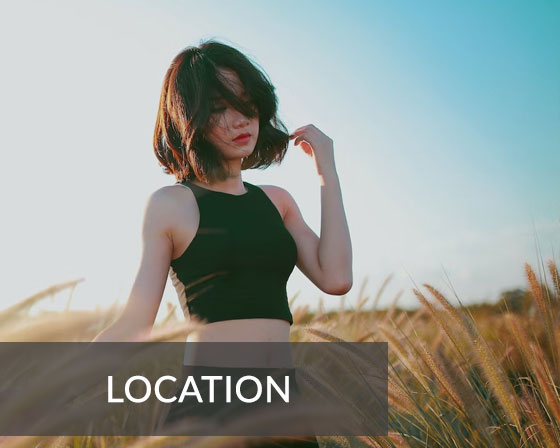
x: 173, y: 193
x: 172, y: 201
x: 170, y: 193
x: 274, y: 190
x: 174, y: 209
x: 280, y: 197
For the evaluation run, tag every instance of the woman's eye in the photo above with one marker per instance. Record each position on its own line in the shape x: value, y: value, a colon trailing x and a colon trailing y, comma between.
x: 218, y: 109
x: 252, y: 105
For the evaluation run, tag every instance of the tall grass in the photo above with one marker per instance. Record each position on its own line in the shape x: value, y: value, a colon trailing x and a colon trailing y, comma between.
x: 459, y: 380
x: 457, y: 377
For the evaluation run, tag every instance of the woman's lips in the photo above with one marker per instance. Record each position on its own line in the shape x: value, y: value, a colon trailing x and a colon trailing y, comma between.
x: 243, y: 139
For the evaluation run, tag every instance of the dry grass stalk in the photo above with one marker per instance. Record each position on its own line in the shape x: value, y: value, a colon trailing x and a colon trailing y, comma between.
x: 24, y: 305
x: 555, y: 277
x: 50, y: 327
x: 403, y: 357
x: 520, y: 338
x: 545, y: 433
x: 474, y: 411
x: 398, y: 399
x: 409, y: 323
x: 389, y: 315
x: 461, y: 321
x: 170, y: 317
x: 367, y: 440
x: 440, y: 375
x: 365, y: 336
x: 300, y: 313
x: 398, y: 440
x: 324, y: 335
x: 362, y: 299
x: 545, y: 310
x: 381, y: 442
x: 491, y: 368
x: 545, y: 381
x: 320, y: 315
x: 497, y: 380
x: 380, y: 292
x: 442, y: 322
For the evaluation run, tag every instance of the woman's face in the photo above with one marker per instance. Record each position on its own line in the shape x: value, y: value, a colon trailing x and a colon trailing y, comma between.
x: 226, y: 123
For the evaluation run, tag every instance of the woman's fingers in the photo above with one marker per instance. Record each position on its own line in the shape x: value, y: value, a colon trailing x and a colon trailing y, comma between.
x: 299, y: 130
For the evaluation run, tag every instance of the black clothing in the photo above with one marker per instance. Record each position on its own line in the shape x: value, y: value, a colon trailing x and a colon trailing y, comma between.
x: 239, y: 261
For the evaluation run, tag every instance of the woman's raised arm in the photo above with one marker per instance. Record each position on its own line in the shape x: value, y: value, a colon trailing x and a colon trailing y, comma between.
x: 326, y: 261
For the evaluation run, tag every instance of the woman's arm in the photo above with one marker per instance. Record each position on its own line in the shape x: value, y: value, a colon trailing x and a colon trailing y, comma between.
x: 326, y: 261
x: 137, y: 319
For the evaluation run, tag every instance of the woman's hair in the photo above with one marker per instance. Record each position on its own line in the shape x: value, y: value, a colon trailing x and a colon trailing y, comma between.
x: 185, y: 111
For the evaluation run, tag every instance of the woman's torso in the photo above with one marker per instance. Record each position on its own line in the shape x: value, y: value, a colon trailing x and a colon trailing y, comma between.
x: 183, y: 231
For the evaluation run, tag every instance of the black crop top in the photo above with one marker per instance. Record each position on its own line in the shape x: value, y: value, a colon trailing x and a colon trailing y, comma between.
x: 238, y: 263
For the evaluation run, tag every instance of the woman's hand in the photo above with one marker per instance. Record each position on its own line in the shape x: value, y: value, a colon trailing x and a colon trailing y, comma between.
x: 317, y: 145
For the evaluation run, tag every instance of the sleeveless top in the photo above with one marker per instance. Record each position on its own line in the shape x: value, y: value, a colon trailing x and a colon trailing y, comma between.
x: 239, y: 261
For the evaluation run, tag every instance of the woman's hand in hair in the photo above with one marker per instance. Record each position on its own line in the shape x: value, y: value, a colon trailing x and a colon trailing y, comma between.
x: 315, y: 144
x: 325, y: 260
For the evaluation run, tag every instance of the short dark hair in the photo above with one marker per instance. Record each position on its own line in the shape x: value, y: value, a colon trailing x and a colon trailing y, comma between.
x: 185, y: 108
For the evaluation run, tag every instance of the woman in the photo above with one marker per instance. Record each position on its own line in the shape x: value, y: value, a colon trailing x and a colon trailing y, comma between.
x: 229, y: 246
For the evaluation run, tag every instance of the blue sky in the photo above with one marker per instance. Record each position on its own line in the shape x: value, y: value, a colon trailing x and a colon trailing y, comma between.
x: 445, y: 118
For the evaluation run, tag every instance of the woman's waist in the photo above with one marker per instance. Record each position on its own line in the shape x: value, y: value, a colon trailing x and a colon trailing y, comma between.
x: 260, y: 342
x: 243, y: 330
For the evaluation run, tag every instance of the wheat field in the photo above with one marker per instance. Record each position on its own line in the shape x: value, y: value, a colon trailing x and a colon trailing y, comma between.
x: 458, y: 376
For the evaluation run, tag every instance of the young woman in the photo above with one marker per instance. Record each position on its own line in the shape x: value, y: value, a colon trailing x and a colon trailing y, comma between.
x: 229, y: 246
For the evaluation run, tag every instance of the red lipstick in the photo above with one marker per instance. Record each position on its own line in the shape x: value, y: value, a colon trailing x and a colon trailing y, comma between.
x: 242, y: 138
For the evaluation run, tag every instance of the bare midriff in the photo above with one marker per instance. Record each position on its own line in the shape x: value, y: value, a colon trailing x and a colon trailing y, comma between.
x: 244, y: 330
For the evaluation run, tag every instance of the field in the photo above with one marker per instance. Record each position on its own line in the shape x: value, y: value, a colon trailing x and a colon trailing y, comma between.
x: 480, y: 376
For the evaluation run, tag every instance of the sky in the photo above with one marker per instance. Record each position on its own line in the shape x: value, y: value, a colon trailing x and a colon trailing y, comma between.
x: 445, y: 118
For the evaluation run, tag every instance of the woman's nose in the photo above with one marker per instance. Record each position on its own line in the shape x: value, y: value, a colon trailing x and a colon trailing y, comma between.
x: 239, y: 119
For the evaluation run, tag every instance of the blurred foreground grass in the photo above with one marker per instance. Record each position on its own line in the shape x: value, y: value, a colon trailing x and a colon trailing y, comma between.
x: 479, y: 376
